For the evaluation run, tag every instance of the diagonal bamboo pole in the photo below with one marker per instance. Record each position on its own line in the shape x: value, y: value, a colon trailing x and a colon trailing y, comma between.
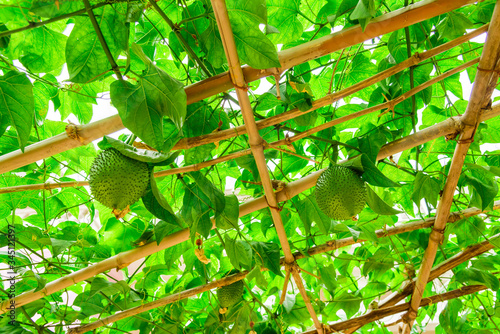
x: 459, y: 258
x: 389, y: 104
x: 291, y: 190
x: 463, y: 256
x: 453, y: 122
x: 417, y: 58
x: 257, y: 146
x: 157, y: 303
x: 478, y: 100
x: 291, y: 57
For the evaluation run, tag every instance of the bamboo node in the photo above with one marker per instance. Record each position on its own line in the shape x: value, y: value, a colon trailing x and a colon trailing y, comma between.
x: 466, y: 141
x: 72, y: 131
x: 455, y: 216
x: 410, y: 315
x: 244, y: 87
x: 417, y: 56
x: 488, y: 70
x: 437, y: 235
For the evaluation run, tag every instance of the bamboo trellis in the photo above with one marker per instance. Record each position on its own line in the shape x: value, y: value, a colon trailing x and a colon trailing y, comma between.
x: 82, y: 135
x: 238, y: 77
x: 468, y: 253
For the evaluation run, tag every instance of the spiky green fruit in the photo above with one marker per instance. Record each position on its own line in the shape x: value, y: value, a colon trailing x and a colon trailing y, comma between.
x: 230, y: 294
x: 340, y: 193
x: 116, y: 180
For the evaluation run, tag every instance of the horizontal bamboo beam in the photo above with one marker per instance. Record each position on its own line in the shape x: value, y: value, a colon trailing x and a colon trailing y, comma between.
x: 385, y: 312
x: 419, y: 138
x: 323, y: 46
x: 124, y: 259
x: 291, y: 57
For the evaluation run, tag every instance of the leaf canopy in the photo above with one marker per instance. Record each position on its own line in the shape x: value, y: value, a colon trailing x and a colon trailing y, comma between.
x: 204, y: 212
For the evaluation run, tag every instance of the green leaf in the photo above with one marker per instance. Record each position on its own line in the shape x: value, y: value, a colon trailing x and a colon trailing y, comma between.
x: 214, y: 194
x: 17, y: 104
x: 378, y: 205
x: 268, y: 254
x: 364, y: 11
x: 40, y: 281
x: 58, y: 246
x: 485, y: 186
x: 454, y: 25
x: 450, y: 319
x: 328, y: 277
x: 161, y: 230
x: 212, y: 43
x: 196, y: 211
x: 83, y: 111
x: 54, y: 8
x: 310, y: 213
x: 134, y: 11
x: 84, y: 53
x: 473, y: 276
x: 241, y: 320
x: 229, y: 217
x: 102, y: 285
x: 370, y: 172
x: 256, y: 273
x: 155, y: 202
x: 142, y: 106
x: 43, y: 92
x: 371, y: 143
x: 4, y: 41
x: 239, y: 252
x: 152, y: 157
x: 283, y: 16
x: 426, y: 187
x: 42, y: 50
x: 348, y: 302
x: 253, y: 46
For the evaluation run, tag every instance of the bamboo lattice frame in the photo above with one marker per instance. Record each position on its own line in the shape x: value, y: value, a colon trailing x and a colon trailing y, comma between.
x: 477, y: 111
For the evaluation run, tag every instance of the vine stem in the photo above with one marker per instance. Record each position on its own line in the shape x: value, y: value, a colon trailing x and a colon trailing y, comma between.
x: 181, y: 39
x: 33, y: 25
x: 100, y: 36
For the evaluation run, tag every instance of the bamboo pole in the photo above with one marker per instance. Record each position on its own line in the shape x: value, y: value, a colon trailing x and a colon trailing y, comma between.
x: 257, y: 146
x: 470, y: 119
x: 382, y: 313
x: 457, y: 259
x: 291, y: 190
x: 470, y: 252
x: 448, y: 127
x: 291, y: 57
